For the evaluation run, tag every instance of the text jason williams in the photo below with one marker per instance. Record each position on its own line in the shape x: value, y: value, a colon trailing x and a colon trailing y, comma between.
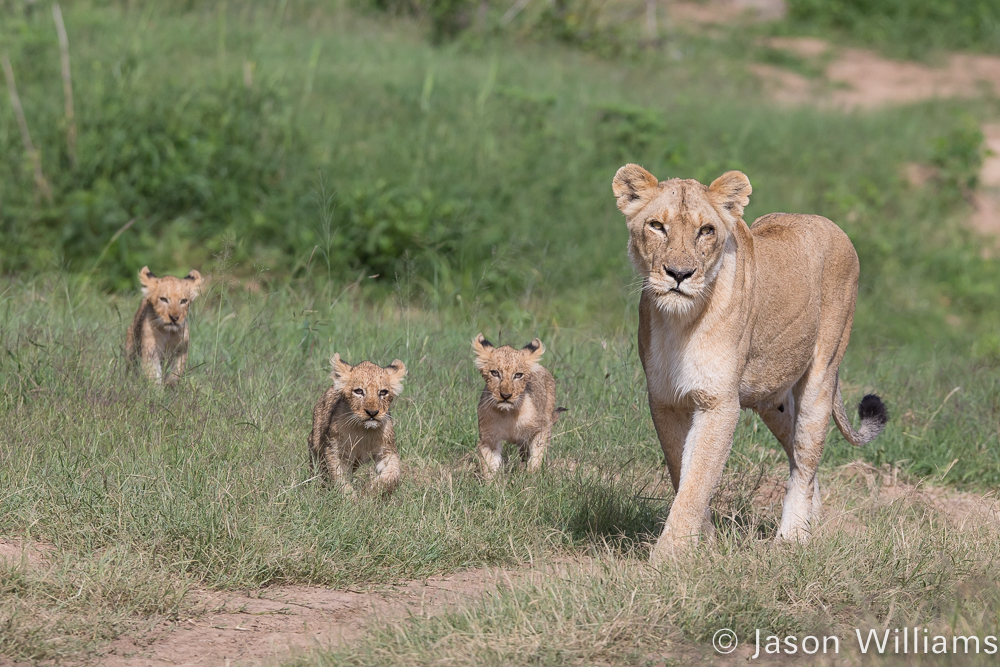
x: 913, y: 640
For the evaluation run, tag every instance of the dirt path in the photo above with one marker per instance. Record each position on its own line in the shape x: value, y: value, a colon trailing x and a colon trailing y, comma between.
x: 269, y: 625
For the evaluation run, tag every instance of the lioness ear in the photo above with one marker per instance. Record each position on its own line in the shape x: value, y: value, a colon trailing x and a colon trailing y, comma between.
x: 482, y: 348
x: 397, y: 371
x: 535, y: 350
x: 633, y: 187
x: 147, y: 280
x: 340, y: 372
x: 730, y: 193
x: 195, y: 279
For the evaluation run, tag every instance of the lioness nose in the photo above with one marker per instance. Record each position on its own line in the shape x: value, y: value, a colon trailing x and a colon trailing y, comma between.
x: 371, y: 413
x: 505, y: 396
x: 680, y: 275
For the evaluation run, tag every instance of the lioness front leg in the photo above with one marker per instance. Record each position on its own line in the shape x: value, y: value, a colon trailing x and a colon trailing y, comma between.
x: 672, y: 426
x: 536, y: 448
x: 706, y: 449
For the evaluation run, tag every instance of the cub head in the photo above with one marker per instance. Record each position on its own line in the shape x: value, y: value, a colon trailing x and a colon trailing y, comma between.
x: 679, y: 232
x: 506, y: 370
x: 170, y: 297
x: 368, y: 389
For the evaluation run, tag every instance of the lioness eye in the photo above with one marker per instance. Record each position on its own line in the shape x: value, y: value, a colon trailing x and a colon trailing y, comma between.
x: 359, y: 392
x: 495, y: 374
x: 657, y: 225
x: 518, y: 376
x: 164, y: 299
x: 183, y: 301
x: 383, y: 393
x: 706, y: 230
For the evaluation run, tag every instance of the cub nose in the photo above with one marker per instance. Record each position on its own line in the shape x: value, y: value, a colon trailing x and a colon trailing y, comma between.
x: 505, y: 396
x: 173, y: 319
x: 371, y: 413
x: 679, y: 275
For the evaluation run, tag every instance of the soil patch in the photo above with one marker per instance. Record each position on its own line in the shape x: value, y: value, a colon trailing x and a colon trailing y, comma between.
x: 267, y: 625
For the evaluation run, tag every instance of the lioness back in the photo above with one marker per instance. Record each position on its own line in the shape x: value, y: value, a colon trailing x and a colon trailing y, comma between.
x: 352, y: 423
x: 517, y: 404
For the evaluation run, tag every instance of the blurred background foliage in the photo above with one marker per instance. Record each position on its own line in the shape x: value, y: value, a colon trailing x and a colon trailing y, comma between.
x: 430, y: 155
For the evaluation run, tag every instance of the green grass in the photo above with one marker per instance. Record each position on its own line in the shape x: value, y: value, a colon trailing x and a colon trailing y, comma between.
x: 475, y: 180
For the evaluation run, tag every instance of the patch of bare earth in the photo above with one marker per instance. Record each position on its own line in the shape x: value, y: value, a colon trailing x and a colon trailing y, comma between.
x: 16, y: 552
x: 267, y: 625
x: 861, y: 79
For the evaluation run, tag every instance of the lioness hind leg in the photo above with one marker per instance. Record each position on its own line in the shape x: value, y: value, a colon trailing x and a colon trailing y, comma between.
x: 803, y: 501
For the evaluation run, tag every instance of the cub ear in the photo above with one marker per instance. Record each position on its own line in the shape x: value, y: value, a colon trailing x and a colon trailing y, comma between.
x: 397, y: 371
x: 482, y: 348
x: 340, y: 372
x: 147, y: 280
x: 634, y: 187
x: 535, y: 350
x: 730, y: 193
x: 195, y: 278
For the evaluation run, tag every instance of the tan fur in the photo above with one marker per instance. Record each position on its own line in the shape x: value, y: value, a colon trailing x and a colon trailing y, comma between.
x: 518, y: 403
x: 738, y: 317
x: 158, y: 338
x: 352, y: 424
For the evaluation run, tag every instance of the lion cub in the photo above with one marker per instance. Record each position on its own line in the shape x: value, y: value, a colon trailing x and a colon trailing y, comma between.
x: 518, y: 403
x: 158, y: 337
x: 352, y: 424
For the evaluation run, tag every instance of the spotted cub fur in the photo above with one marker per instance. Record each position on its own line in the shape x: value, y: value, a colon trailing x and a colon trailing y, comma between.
x: 157, y: 341
x: 352, y: 424
x: 518, y: 403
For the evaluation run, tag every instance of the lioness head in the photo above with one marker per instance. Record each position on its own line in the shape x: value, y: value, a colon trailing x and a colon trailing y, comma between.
x: 679, y: 231
x: 506, y: 370
x: 170, y: 297
x: 368, y: 389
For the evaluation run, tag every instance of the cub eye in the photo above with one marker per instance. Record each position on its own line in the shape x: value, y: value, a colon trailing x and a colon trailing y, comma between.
x: 518, y: 376
x: 495, y: 374
x: 359, y: 392
x: 657, y: 225
x: 707, y: 230
x: 164, y: 299
x: 383, y: 393
x: 183, y: 301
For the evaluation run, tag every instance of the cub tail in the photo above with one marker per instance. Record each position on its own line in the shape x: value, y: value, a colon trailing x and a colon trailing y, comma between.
x: 873, y: 413
x: 556, y: 412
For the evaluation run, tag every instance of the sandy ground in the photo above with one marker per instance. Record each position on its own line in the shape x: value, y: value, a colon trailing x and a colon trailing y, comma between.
x: 271, y: 624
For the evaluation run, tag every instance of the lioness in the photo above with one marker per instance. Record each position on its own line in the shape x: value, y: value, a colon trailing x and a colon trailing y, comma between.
x: 158, y: 338
x: 352, y: 425
x: 739, y: 317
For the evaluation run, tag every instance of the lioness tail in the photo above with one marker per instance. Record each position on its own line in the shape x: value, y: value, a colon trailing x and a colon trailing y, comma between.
x: 873, y: 413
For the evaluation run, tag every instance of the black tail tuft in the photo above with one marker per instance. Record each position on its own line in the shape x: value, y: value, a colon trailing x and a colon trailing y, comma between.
x: 873, y: 409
